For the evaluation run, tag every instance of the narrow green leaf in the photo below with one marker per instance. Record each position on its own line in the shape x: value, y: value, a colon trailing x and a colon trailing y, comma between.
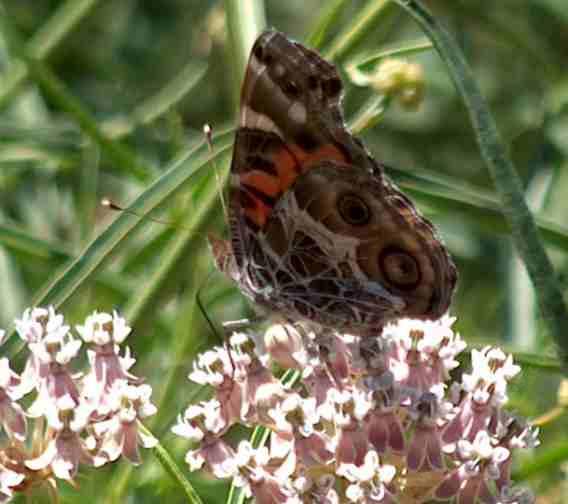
x: 182, y: 242
x: 45, y: 40
x: 245, y: 21
x: 155, y: 106
x: 20, y: 241
x: 370, y: 113
x: 168, y: 463
x: 325, y: 23
x: 524, y: 230
x: 260, y: 436
x: 364, y: 22
x: 120, y: 154
x: 550, y: 460
x: 64, y: 283
x: 368, y: 62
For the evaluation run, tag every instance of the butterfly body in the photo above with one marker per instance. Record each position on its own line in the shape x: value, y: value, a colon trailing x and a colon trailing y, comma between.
x: 317, y: 231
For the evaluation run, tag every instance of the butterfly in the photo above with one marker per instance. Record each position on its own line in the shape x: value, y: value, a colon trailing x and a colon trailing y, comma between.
x: 317, y: 231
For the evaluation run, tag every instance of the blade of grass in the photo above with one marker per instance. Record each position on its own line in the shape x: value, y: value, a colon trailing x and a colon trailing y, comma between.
x: 184, y: 346
x: 509, y: 188
x: 368, y: 62
x: 365, y: 21
x: 533, y: 361
x: 45, y: 40
x: 370, y: 113
x: 550, y: 460
x: 36, y: 251
x: 120, y: 154
x: 523, y: 323
x: 155, y: 106
x: 64, y: 283
x: 245, y: 20
x: 260, y: 436
x: 203, y: 213
x: 325, y: 22
x: 19, y: 241
x: 168, y: 463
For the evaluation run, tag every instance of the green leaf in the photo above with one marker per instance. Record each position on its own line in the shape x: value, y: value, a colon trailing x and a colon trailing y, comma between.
x: 366, y: 20
x: 245, y: 21
x: 548, y: 459
x: 509, y: 188
x: 325, y: 23
x: 42, y: 44
x: 64, y: 283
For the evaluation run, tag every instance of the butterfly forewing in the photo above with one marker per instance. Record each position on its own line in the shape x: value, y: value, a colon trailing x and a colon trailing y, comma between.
x: 317, y: 231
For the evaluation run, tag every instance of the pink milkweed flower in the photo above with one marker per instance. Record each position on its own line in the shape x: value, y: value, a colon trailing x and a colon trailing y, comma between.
x: 35, y: 325
x: 12, y: 416
x: 472, y: 479
x: 121, y: 434
x: 422, y: 352
x: 256, y: 477
x: 225, y: 372
x: 65, y: 430
x: 353, y: 441
x: 368, y: 481
x: 365, y: 421
x: 296, y: 421
x: 199, y: 420
x: 101, y: 329
x: 485, y: 389
x: 103, y: 333
x: 9, y: 480
x: 383, y: 423
x: 425, y: 447
x: 65, y: 448
x: 55, y: 384
x: 285, y: 345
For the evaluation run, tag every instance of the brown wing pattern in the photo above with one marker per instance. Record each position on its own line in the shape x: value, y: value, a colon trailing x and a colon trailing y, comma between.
x: 317, y: 231
x: 290, y: 119
x: 348, y: 251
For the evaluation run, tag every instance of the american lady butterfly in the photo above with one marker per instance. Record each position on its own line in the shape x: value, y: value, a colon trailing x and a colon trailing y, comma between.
x: 317, y: 231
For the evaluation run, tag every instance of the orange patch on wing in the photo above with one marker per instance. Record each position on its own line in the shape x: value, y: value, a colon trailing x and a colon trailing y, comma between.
x: 259, y: 213
x: 263, y: 182
x: 323, y: 153
x: 286, y: 167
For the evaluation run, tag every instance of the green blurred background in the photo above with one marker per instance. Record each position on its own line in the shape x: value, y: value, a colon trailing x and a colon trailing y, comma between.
x: 142, y: 77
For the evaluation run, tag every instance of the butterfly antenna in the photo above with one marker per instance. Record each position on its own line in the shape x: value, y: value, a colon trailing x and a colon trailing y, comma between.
x: 225, y: 338
x: 202, y: 309
x: 108, y: 203
x: 208, y: 132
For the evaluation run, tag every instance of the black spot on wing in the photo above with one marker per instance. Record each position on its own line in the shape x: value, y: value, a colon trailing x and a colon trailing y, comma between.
x: 256, y: 193
x: 256, y: 162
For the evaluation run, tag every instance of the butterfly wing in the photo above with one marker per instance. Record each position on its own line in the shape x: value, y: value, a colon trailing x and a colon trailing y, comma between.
x: 349, y: 251
x: 317, y: 231
x: 290, y: 119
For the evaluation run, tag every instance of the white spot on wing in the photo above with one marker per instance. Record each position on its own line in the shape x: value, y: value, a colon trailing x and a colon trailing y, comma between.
x: 297, y: 112
x: 279, y: 70
x: 256, y: 120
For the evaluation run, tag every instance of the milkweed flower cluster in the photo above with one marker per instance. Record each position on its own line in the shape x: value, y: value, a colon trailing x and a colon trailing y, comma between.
x: 74, y: 417
x: 370, y: 420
